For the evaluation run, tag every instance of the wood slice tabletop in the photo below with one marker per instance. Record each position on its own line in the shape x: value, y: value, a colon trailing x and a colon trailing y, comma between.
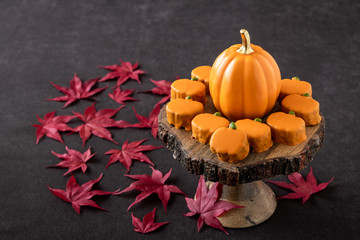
x: 197, y: 158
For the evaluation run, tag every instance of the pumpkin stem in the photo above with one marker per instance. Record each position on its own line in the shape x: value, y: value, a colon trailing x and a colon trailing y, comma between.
x: 246, y: 46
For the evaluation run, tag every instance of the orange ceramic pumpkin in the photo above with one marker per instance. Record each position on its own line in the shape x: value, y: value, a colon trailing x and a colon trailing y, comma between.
x: 244, y: 81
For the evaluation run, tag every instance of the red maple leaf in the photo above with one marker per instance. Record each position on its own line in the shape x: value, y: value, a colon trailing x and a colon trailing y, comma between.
x: 80, y: 195
x: 152, y: 184
x: 147, y: 224
x: 97, y: 122
x: 302, y: 189
x: 123, y: 72
x: 151, y: 122
x: 77, y: 90
x: 51, y: 125
x: 208, y: 205
x: 131, y: 151
x: 163, y: 87
x: 73, y: 160
x: 120, y: 96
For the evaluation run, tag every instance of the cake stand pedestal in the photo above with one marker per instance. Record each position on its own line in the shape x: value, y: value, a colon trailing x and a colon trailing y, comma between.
x: 241, y: 181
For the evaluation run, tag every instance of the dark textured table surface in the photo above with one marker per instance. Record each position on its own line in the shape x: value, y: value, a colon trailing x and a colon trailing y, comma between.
x: 43, y: 41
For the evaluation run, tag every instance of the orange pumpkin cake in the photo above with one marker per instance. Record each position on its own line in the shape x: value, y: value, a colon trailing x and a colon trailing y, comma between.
x: 202, y: 73
x: 306, y: 108
x: 258, y: 133
x: 205, y: 124
x: 294, y: 86
x: 244, y: 81
x: 230, y: 144
x: 180, y: 112
x: 286, y: 128
x: 185, y: 87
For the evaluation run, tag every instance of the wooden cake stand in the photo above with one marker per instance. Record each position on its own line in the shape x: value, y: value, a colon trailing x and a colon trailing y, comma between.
x: 242, y: 180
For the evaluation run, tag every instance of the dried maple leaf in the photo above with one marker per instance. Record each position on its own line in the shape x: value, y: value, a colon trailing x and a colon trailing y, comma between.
x: 51, y: 125
x: 147, y: 224
x: 80, y: 195
x: 73, y: 160
x: 96, y: 122
x: 152, y: 184
x: 208, y: 205
x: 151, y: 122
x: 302, y: 189
x: 77, y: 90
x: 162, y: 88
x: 122, y: 73
x: 120, y: 96
x: 131, y: 151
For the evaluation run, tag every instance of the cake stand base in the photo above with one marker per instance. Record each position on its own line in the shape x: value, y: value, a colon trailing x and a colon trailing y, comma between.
x: 257, y: 197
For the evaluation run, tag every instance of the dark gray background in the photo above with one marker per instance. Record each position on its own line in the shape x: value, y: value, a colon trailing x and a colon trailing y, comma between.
x: 43, y: 41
